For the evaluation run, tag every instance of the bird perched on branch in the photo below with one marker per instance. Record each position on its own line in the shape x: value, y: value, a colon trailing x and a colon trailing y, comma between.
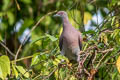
x: 70, y: 41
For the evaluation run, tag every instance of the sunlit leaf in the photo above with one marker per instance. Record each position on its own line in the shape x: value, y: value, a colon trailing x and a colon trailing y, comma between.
x: 73, y: 78
x: 114, y: 75
x: 113, y: 21
x: 61, y: 29
x: 1, y: 14
x: 1, y: 38
x: 61, y: 57
x: 14, y: 71
x: 75, y: 18
x: 56, y: 61
x: 85, y: 47
x: 23, y: 71
x: 42, y: 37
x: 87, y: 17
x: 52, y: 38
x: 1, y: 73
x: 4, y: 66
x: 56, y: 73
x: 47, y: 21
x: 118, y: 2
x: 26, y: 1
x: 117, y: 23
x: 35, y: 38
x: 11, y: 18
x: 35, y: 59
x: 5, y: 4
x: 104, y: 38
x: 118, y: 64
x: 115, y: 33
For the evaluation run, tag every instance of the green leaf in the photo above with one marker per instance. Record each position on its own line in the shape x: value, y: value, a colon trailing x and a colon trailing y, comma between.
x: 5, y: 4
x: 23, y: 71
x: 75, y: 17
x: 35, y: 60
x: 1, y: 37
x: 4, y: 66
x: 26, y: 1
x: 61, y: 57
x: 114, y: 75
x: 56, y: 61
x: 89, y: 32
x: 52, y: 38
x: 1, y: 73
x: 113, y: 21
x: 14, y: 71
x: 10, y: 17
x: 1, y: 14
x: 42, y: 37
x: 85, y: 47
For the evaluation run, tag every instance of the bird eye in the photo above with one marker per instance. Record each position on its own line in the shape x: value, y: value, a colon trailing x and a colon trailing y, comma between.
x: 60, y: 13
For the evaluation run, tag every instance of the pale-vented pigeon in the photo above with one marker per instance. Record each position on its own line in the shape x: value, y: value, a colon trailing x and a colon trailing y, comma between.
x: 70, y: 41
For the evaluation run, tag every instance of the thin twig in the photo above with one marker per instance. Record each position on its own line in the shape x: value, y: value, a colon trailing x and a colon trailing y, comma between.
x: 50, y: 74
x: 100, y: 61
x: 22, y: 58
x: 46, y: 76
x: 7, y: 49
x: 27, y: 57
x: 26, y: 37
x: 93, y: 61
x: 107, y: 50
x: 18, y: 6
x: 86, y: 71
x: 85, y: 57
x: 91, y: 2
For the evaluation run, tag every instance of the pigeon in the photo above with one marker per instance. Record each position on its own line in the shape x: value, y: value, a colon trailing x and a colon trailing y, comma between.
x: 70, y: 41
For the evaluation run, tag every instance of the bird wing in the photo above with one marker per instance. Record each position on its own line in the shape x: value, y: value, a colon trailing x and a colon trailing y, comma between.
x: 60, y: 42
x: 80, y: 41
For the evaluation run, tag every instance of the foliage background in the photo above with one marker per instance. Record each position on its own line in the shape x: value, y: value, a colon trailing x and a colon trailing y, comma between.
x: 39, y: 57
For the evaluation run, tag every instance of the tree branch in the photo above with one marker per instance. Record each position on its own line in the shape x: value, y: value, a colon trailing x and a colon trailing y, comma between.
x: 7, y: 49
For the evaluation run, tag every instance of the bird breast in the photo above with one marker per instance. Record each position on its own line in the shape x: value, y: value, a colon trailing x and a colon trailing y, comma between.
x: 70, y: 47
x: 70, y: 52
x: 70, y: 40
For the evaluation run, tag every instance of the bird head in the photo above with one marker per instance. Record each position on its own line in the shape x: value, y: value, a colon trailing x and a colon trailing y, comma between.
x: 61, y: 14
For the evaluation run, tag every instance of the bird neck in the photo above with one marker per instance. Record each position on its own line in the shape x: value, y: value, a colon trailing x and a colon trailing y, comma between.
x: 66, y: 23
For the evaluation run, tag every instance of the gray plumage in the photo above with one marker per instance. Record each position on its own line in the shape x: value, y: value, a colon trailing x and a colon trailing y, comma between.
x: 70, y: 41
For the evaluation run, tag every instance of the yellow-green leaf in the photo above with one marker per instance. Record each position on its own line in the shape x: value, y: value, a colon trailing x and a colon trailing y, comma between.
x: 14, y: 71
x: 35, y: 59
x: 87, y: 17
x: 52, y: 38
x: 75, y: 18
x: 104, y: 38
x: 1, y: 73
x: 118, y: 64
x: 23, y: 71
x: 4, y: 66
x: 10, y: 17
x: 73, y: 78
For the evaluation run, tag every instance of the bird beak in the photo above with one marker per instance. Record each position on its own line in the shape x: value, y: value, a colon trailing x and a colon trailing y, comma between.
x: 56, y: 15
